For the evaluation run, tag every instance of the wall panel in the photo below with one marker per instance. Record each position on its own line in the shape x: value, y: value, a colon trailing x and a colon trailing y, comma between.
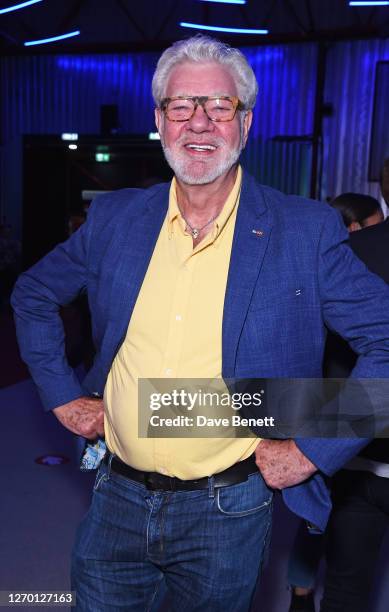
x: 351, y: 68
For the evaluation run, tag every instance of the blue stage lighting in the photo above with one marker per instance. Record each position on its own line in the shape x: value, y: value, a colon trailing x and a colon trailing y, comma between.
x: 226, y: 1
x: 15, y: 7
x: 369, y: 3
x: 199, y: 26
x: 44, y: 41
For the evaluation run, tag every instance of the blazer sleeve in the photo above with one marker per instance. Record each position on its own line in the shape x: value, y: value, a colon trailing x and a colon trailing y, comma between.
x: 56, y: 280
x: 355, y: 304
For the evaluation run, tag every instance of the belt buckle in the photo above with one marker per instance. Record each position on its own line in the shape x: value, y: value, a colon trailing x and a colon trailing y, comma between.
x: 155, y: 482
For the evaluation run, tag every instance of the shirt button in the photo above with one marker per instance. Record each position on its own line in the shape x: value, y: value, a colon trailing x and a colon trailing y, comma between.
x: 169, y: 372
x: 163, y: 471
x: 178, y: 317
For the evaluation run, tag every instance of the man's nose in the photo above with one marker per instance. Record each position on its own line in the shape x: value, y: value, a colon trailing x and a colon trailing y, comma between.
x: 199, y: 120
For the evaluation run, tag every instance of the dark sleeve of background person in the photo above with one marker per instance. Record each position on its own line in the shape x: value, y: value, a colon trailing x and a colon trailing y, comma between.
x: 371, y: 245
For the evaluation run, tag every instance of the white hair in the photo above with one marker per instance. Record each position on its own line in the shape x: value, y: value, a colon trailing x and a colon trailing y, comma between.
x: 204, y: 49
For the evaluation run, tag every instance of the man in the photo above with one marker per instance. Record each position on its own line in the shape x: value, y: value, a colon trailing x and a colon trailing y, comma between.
x: 212, y: 276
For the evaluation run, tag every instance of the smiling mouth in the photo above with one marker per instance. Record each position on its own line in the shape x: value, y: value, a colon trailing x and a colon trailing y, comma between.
x: 200, y: 147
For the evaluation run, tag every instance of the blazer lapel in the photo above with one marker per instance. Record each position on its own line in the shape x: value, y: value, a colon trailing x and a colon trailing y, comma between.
x: 135, y: 247
x: 251, y: 236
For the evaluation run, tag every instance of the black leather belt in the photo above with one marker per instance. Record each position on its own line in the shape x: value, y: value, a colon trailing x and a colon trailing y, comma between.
x: 239, y: 472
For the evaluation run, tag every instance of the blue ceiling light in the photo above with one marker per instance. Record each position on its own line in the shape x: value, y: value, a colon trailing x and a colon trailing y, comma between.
x: 369, y: 3
x: 15, y: 7
x: 226, y: 1
x: 44, y: 41
x: 199, y: 26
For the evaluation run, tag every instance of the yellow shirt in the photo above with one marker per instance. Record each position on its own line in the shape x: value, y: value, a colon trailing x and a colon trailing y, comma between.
x: 176, y: 331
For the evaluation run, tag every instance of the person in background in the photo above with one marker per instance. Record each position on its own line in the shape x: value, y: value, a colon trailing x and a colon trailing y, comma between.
x: 358, y: 211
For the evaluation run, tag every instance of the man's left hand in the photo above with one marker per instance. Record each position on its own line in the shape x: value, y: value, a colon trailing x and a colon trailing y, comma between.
x: 282, y: 464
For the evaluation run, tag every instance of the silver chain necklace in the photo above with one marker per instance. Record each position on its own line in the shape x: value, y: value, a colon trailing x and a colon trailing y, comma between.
x: 195, y: 231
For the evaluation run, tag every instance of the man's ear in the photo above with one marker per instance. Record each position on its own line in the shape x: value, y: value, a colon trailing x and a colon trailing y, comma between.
x: 158, y: 119
x: 248, y: 118
x: 354, y: 226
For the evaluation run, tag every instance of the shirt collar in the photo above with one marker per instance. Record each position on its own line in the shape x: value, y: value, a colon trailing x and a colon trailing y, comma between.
x: 220, y: 222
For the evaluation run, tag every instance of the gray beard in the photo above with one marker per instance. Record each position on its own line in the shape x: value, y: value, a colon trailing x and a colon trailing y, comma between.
x: 179, y: 166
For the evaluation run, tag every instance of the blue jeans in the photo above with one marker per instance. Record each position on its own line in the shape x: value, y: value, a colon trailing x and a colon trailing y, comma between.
x: 206, y: 546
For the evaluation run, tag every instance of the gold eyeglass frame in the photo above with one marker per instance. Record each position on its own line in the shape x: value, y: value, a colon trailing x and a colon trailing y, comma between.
x: 201, y: 100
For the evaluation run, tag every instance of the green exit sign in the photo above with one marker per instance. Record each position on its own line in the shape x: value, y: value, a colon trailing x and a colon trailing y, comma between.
x: 102, y: 157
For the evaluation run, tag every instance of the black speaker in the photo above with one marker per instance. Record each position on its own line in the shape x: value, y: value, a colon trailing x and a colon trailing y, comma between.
x: 109, y: 119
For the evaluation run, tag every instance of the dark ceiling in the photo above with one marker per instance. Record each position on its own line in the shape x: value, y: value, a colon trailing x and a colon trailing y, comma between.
x: 128, y: 25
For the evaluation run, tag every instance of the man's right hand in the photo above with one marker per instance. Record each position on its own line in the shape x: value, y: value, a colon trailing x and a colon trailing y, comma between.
x: 83, y: 416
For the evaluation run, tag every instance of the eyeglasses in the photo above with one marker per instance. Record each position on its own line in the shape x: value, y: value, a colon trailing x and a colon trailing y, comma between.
x: 217, y: 108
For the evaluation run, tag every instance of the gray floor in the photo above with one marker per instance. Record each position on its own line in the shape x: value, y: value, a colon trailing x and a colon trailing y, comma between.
x: 41, y: 506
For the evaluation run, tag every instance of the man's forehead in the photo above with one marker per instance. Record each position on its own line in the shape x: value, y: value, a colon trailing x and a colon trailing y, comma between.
x: 200, y: 80
x: 201, y: 94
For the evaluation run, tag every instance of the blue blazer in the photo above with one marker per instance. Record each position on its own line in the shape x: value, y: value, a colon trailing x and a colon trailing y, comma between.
x: 291, y: 274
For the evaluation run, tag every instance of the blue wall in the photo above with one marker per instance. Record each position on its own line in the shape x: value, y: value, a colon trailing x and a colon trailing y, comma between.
x: 55, y: 94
